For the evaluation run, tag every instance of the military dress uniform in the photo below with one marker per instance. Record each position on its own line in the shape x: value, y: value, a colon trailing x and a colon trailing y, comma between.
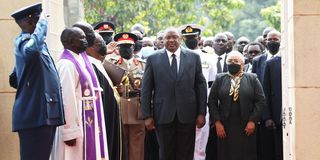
x: 129, y: 90
x: 209, y: 72
x: 38, y: 106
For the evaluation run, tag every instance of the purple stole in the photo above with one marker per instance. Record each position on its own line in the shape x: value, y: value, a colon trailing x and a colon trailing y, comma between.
x: 88, y: 108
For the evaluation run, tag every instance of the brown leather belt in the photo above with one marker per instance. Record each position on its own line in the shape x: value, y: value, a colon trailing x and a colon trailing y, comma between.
x: 131, y: 94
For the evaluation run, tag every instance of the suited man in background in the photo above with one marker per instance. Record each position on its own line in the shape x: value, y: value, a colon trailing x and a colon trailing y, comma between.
x: 254, y: 49
x: 241, y: 43
x: 230, y: 42
x: 38, y: 109
x: 258, y: 63
x: 220, y: 46
x: 272, y: 87
x: 174, y: 97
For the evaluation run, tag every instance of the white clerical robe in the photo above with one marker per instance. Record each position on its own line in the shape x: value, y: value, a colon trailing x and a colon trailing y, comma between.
x: 72, y: 100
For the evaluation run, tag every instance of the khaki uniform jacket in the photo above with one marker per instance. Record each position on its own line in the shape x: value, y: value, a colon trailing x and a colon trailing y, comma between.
x: 129, y: 89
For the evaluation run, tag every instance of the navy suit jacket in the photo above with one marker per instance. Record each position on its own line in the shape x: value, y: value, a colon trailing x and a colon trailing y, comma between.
x: 184, y: 96
x: 38, y: 99
x: 273, y: 90
x: 258, y: 65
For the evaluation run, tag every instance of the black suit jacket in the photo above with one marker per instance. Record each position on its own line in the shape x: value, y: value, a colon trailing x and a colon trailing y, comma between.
x: 258, y: 65
x: 184, y: 96
x: 273, y: 90
x: 251, y: 96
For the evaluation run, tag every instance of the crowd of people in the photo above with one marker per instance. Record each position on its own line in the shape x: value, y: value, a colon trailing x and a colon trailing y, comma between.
x: 127, y: 96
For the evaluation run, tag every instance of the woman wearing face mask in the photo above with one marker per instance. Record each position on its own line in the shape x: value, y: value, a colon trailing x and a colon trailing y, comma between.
x: 235, y: 104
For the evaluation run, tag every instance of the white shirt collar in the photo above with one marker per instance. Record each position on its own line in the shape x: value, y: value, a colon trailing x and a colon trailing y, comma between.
x: 269, y: 55
x: 94, y: 61
x: 177, y: 53
x: 222, y: 56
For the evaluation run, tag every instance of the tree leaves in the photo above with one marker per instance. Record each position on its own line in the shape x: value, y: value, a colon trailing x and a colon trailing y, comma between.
x: 157, y: 15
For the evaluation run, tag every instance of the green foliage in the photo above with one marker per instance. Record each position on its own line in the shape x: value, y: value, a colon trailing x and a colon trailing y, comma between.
x: 157, y: 15
x: 248, y: 20
x: 272, y: 15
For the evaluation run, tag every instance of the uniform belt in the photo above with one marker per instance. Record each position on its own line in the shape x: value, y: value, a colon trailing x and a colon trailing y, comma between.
x: 131, y: 94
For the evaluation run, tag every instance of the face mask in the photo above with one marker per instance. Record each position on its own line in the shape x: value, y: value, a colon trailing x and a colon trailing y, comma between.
x: 233, y: 68
x: 83, y: 46
x: 273, y: 47
x: 107, y: 39
x: 125, y: 52
x: 191, y: 43
x: 102, y: 50
x: 90, y: 40
x: 138, y: 46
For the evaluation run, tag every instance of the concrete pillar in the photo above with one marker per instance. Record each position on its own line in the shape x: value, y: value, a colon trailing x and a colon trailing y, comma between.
x: 9, y: 143
x: 301, y: 84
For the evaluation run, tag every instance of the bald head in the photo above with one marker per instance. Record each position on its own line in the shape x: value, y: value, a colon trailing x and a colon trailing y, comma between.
x: 231, y: 41
x: 138, y: 27
x: 241, y: 43
x: 273, y: 41
x: 266, y: 31
x: 74, y: 39
x: 88, y: 31
x: 220, y: 43
x: 172, y: 39
x: 274, y: 33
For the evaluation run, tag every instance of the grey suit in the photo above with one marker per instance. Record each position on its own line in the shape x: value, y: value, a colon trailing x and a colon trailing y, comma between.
x: 176, y: 101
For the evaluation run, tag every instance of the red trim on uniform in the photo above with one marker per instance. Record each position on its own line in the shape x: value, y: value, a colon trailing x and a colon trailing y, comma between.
x: 125, y: 39
x: 120, y: 60
x: 135, y: 61
x: 103, y: 28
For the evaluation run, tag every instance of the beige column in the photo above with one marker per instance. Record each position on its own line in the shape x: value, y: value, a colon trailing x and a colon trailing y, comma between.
x: 301, y: 78
x: 9, y: 143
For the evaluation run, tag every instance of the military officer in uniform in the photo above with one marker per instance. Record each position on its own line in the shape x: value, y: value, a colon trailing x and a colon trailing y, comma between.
x: 191, y: 36
x: 129, y: 90
x: 106, y: 30
x: 38, y: 107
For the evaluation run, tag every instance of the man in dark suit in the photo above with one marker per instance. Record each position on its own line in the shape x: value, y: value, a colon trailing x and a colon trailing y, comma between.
x: 174, y: 97
x: 254, y: 49
x: 271, y: 116
x: 38, y: 106
x: 220, y: 46
x: 258, y: 63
